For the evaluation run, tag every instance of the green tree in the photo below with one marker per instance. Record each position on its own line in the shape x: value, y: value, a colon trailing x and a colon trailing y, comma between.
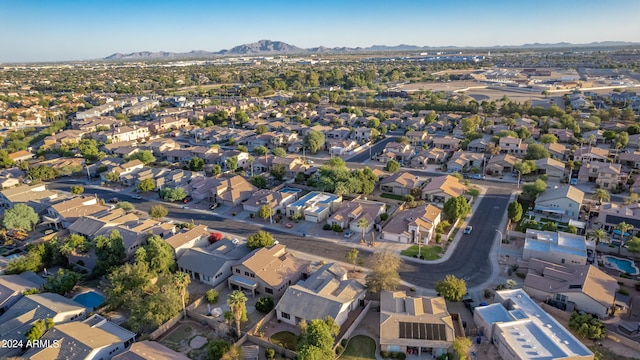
x: 232, y: 163
x: 75, y: 243
x: 216, y: 170
x: 39, y: 327
x: 633, y: 245
x: 597, y: 235
x: 112, y: 176
x: 601, y: 195
x: 265, y: 212
x: 264, y: 304
x: 159, y: 255
x: 352, y: 256
x: 535, y: 152
x: 279, y: 152
x: 317, y: 340
x: 77, y: 189
x: 548, y: 139
x: 127, y: 284
x: 196, y: 164
x: 109, y: 251
x: 624, y: 228
x: 158, y: 211
x: 532, y: 190
x: 259, y: 181
x: 514, y: 211
x: 392, y: 166
x: 62, y: 282
x: 384, y: 272
x: 587, y: 326
x: 237, y: 304
x: 314, y: 141
x: 451, y: 288
x: 363, y: 224
x: 20, y: 217
x: 456, y: 208
x: 278, y: 171
x: 260, y: 150
x: 126, y: 206
x: 145, y: 156
x: 5, y: 160
x: 261, y: 129
x: 42, y: 172
x: 159, y: 303
x: 234, y: 353
x: 260, y: 239
x: 173, y: 194
x: 146, y: 185
x: 526, y: 167
x: 336, y: 162
x: 462, y: 346
x: 217, y: 348
x: 182, y: 280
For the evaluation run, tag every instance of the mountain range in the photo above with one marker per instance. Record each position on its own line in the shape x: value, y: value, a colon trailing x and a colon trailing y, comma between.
x: 268, y: 47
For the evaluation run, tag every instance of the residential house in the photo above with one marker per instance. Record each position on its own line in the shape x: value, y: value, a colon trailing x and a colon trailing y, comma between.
x: 96, y: 123
x: 446, y: 143
x: 125, y: 169
x: 135, y: 233
x: 181, y: 156
x: 557, y: 151
x: 161, y: 146
x: 93, y: 338
x: 556, y: 247
x: 276, y: 200
x: 598, y: 136
x: 501, y: 164
x: 462, y: 161
x: 12, y: 288
x: 65, y: 137
x: 396, y: 151
x: 400, y: 183
x: 189, y: 238
x: 165, y: 124
x: 610, y: 215
x: 589, y: 154
x: 211, y: 265
x: 576, y: 288
x: 430, y: 156
x: 341, y: 147
x: 25, y: 193
x: 341, y: 133
x: 352, y: 212
x: 631, y: 159
x: 563, y: 135
x: 315, y: 206
x: 554, y: 169
x: 443, y: 188
x: 21, y: 155
x: 563, y: 201
x: 66, y: 212
x: 512, y: 145
x: 146, y: 349
x: 326, y: 292
x: 267, y: 271
x: 122, y: 133
x: 232, y: 191
x: 19, y: 318
x: 478, y: 145
x: 521, y: 330
x: 90, y: 226
x: 415, y: 225
x: 606, y: 175
x: 361, y: 134
x: 418, y: 138
x: 416, y: 325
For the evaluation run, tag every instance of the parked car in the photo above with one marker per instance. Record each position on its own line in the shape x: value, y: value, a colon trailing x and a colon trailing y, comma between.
x: 137, y: 197
x: 114, y: 200
x: 477, y: 177
x: 214, y: 206
x: 348, y: 233
x: 187, y: 199
x: 467, y: 230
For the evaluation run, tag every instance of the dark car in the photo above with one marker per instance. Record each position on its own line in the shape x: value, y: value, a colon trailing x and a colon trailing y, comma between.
x: 187, y: 199
x: 114, y: 200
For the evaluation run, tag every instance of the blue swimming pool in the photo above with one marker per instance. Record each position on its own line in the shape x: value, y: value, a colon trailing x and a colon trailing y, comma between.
x: 89, y: 299
x: 623, y: 265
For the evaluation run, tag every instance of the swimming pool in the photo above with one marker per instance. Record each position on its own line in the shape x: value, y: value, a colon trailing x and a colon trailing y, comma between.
x: 619, y: 264
x: 89, y: 299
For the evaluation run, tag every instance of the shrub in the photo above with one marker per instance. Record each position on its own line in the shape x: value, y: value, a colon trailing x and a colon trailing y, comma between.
x: 384, y: 216
x: 269, y: 353
x: 438, y: 238
x: 343, y: 342
x: 402, y: 356
x: 212, y: 296
x: 326, y: 227
x: 394, y: 355
x: 339, y: 349
x: 336, y: 228
x: 264, y: 304
x: 384, y: 353
x: 623, y: 291
x: 252, y: 215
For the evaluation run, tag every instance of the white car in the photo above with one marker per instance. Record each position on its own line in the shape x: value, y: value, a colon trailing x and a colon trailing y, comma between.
x: 137, y: 197
x: 468, y: 229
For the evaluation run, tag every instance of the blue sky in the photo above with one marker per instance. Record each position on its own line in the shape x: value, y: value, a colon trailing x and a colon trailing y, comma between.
x: 56, y: 30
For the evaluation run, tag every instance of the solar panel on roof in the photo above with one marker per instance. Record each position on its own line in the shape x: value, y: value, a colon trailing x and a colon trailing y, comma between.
x: 422, y: 331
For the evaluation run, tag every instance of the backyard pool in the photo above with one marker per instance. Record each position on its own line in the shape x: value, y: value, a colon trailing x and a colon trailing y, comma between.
x: 624, y: 265
x: 89, y: 299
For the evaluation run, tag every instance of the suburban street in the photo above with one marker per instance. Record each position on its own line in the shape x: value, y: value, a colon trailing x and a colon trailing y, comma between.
x: 470, y: 259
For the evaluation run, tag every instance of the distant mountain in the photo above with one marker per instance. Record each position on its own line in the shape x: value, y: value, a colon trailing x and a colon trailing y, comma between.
x: 268, y: 47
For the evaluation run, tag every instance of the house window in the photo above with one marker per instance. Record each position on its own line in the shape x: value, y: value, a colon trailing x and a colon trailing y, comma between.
x: 268, y: 290
x: 393, y: 348
x: 560, y: 297
x: 284, y: 315
x: 246, y: 273
x: 238, y: 271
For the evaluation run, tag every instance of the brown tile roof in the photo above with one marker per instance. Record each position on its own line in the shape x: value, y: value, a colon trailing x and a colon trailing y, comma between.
x: 448, y: 184
x: 273, y: 265
x: 182, y: 238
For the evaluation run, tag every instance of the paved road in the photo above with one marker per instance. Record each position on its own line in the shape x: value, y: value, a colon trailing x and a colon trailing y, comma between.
x: 375, y: 148
x: 470, y: 259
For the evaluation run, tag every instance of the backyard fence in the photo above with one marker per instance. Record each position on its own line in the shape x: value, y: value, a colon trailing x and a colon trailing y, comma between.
x: 356, y: 322
x: 162, y: 329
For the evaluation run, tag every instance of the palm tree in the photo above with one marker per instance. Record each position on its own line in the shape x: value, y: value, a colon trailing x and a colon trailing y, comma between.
x: 182, y: 280
x: 597, y: 235
x: 624, y: 228
x: 601, y: 195
x: 363, y: 224
x: 236, y: 302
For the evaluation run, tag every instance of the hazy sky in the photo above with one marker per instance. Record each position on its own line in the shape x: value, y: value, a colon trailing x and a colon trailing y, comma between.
x: 53, y: 30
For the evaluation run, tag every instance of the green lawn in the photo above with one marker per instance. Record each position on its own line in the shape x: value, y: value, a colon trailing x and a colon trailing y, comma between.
x: 360, y: 347
x: 286, y: 339
x: 393, y: 196
x: 429, y: 252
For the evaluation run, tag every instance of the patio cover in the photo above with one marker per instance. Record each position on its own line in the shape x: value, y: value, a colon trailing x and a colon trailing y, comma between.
x: 548, y: 209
